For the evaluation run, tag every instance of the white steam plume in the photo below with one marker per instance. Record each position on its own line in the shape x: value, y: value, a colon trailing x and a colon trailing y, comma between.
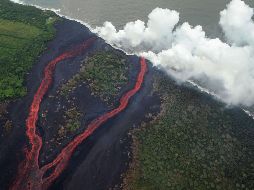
x: 185, y: 52
x: 236, y: 22
x: 157, y: 35
x: 17, y: 1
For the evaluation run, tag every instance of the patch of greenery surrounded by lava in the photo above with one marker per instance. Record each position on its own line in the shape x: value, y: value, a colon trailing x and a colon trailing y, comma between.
x: 195, y: 143
x: 72, y: 122
x: 104, y: 72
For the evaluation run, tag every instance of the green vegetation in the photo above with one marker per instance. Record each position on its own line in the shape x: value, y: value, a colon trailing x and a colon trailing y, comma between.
x: 104, y: 72
x: 24, y: 31
x: 73, y: 117
x: 193, y: 144
x: 72, y: 122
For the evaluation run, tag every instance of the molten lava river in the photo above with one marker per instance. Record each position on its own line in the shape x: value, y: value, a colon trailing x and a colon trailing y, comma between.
x: 30, y: 175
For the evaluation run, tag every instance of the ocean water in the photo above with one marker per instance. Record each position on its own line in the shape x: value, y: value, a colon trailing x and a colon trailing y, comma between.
x: 119, y: 12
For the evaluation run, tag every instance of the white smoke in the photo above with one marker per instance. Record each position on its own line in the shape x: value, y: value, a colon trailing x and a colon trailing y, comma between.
x: 236, y: 22
x: 156, y: 36
x: 185, y: 52
x: 17, y: 1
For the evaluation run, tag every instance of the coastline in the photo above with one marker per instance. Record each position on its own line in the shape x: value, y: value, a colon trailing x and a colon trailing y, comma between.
x: 110, y: 144
x: 191, y: 124
x: 194, y: 85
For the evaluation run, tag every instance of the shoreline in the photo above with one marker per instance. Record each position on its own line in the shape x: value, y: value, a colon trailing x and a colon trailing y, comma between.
x: 96, y: 150
x: 194, y: 85
x: 148, y: 153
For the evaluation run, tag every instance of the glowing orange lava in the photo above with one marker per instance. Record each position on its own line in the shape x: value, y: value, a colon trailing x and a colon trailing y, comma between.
x: 30, y: 175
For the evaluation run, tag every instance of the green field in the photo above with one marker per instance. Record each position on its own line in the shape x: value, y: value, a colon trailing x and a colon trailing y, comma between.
x: 24, y: 32
x: 194, y: 143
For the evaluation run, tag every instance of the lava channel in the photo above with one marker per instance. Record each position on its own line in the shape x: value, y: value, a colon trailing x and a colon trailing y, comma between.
x: 30, y: 176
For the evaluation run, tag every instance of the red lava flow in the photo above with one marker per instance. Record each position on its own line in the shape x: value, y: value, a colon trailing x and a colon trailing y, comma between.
x: 30, y: 176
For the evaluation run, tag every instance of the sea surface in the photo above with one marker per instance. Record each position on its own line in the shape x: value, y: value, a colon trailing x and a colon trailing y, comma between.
x: 96, y: 12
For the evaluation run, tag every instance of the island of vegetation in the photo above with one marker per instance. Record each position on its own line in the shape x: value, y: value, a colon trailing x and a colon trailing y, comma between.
x: 104, y: 72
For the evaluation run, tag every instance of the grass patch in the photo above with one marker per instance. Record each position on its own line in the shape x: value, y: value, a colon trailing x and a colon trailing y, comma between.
x: 18, y: 30
x: 104, y: 72
x: 24, y: 31
x: 195, y: 143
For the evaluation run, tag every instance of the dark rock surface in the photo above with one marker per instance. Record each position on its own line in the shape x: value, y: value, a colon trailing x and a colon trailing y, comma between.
x: 99, y: 162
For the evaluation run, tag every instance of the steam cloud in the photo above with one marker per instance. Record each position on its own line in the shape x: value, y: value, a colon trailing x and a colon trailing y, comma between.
x: 184, y: 51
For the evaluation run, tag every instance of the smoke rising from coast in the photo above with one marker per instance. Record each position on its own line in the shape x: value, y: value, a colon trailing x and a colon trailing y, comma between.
x: 186, y: 53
